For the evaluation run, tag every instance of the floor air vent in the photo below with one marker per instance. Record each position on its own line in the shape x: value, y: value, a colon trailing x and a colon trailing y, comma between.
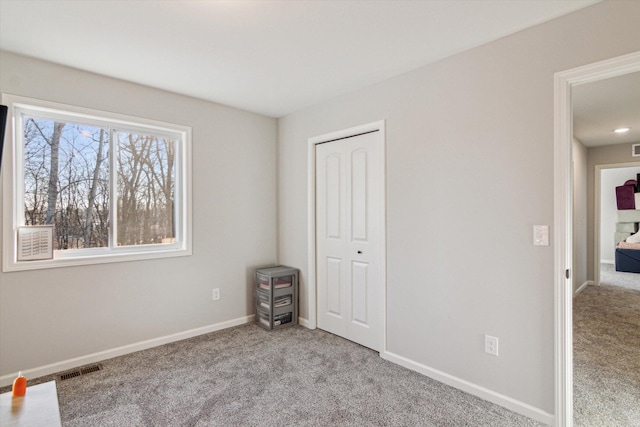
x: 80, y: 371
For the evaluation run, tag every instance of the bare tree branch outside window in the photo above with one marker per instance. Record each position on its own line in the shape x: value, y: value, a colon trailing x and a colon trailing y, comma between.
x: 145, y: 189
x: 67, y: 180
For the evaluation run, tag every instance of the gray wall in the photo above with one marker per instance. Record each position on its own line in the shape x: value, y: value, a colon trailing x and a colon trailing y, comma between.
x: 579, y: 152
x: 53, y: 315
x: 605, y: 155
x: 470, y: 158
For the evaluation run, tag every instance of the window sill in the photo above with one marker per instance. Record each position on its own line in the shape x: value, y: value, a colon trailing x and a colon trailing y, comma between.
x: 10, y: 265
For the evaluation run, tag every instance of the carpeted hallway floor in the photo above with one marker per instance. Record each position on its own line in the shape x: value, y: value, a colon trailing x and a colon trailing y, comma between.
x: 607, y: 357
x: 609, y: 276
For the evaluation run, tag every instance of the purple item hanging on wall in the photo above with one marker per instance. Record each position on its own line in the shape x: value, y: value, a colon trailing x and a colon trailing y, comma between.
x: 625, y: 197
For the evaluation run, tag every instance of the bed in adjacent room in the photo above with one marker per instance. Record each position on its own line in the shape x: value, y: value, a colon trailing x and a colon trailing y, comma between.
x: 628, y: 257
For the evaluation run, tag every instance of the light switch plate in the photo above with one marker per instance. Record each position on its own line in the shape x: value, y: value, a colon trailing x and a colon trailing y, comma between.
x: 541, y: 235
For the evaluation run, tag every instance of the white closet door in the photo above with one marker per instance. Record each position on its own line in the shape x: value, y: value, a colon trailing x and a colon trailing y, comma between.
x: 349, y: 186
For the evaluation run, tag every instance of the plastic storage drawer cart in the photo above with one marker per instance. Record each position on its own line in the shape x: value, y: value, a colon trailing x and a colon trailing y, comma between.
x: 277, y: 297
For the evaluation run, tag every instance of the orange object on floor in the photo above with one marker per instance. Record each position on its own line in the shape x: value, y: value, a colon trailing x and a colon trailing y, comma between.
x: 19, y: 385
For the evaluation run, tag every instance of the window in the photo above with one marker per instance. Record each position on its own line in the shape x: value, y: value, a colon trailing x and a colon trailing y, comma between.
x: 113, y: 187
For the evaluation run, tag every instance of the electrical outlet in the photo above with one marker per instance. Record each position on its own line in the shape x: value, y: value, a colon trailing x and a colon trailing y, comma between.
x: 491, y: 345
x: 216, y: 294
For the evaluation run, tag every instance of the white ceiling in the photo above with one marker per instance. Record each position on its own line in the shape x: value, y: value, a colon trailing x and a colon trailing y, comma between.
x: 266, y: 56
x: 602, y: 106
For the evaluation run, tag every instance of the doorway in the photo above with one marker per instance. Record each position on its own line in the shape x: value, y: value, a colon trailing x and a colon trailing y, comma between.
x: 563, y: 235
x: 607, y: 177
x: 347, y: 256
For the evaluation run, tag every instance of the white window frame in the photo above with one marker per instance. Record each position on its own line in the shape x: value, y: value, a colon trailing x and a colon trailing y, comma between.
x: 13, y: 191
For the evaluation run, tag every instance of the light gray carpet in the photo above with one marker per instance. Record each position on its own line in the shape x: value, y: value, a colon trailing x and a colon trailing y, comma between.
x: 250, y: 377
x: 606, y: 357
x: 609, y: 276
x: 246, y: 376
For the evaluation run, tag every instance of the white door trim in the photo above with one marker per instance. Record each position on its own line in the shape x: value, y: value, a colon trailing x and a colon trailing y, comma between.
x: 311, y: 322
x: 563, y: 291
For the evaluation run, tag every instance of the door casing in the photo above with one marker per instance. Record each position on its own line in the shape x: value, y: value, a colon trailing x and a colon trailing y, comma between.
x: 563, y: 214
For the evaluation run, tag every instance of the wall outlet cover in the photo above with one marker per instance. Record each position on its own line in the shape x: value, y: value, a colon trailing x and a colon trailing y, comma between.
x: 491, y: 345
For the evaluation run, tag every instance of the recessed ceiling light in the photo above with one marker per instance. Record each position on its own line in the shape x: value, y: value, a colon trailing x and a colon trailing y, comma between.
x: 622, y: 130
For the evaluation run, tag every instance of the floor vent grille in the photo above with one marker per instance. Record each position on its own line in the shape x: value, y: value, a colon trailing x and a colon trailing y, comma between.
x: 80, y: 371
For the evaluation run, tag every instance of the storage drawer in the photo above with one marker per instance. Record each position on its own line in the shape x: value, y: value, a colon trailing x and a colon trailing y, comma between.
x: 263, y: 300
x: 263, y: 283
x: 282, y: 282
x: 281, y: 304
x: 282, y: 319
x: 282, y: 301
x: 262, y: 319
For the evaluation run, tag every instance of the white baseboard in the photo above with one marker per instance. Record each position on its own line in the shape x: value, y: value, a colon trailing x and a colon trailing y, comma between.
x: 607, y: 261
x: 304, y: 322
x: 582, y: 287
x: 471, y: 388
x: 119, y: 351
